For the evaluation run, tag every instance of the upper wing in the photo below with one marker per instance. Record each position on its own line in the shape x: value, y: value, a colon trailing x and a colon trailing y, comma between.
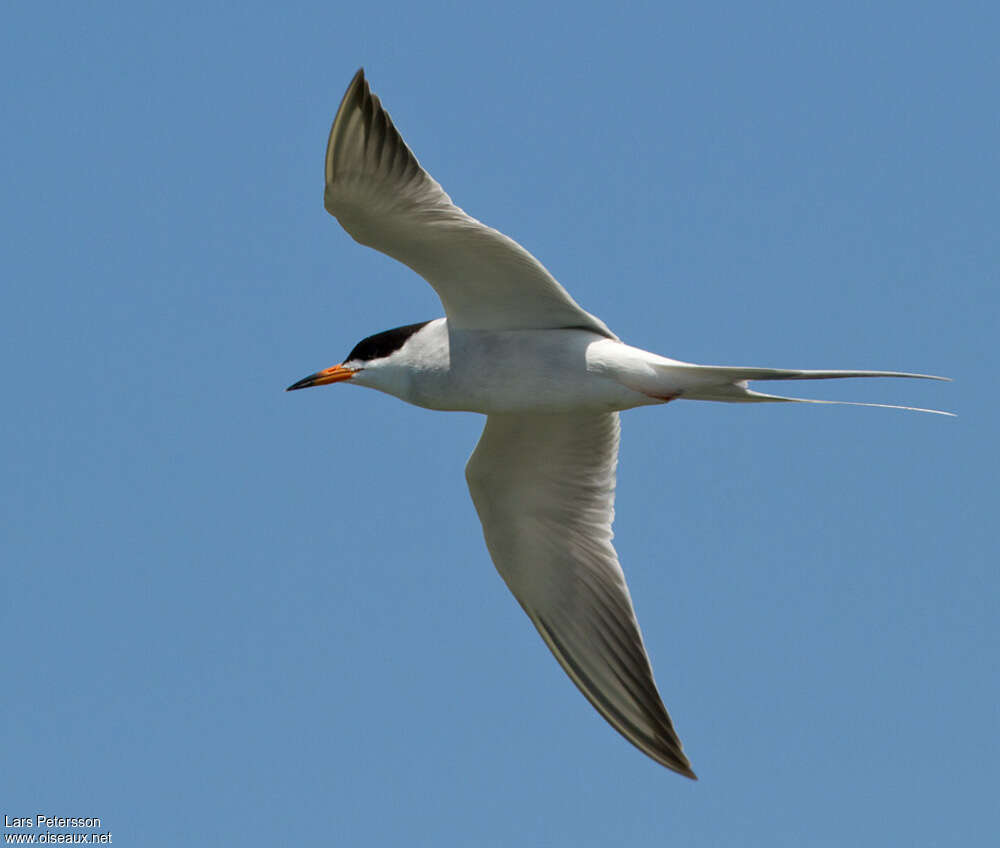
x: 377, y: 190
x: 544, y: 489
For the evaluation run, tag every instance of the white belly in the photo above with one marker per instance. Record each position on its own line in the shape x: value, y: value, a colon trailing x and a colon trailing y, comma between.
x: 525, y: 371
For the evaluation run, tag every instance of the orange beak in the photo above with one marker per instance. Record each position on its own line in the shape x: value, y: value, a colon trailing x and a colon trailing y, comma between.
x: 336, y: 374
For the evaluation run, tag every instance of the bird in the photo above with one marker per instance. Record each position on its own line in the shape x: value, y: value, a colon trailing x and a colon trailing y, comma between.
x: 551, y: 380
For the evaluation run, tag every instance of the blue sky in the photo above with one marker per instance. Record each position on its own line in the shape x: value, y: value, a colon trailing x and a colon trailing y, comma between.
x: 238, y: 616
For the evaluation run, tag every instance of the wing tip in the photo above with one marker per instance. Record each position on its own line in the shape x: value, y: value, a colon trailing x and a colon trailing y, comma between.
x: 364, y: 138
x: 356, y: 91
x: 672, y: 758
x: 676, y: 762
x: 659, y: 742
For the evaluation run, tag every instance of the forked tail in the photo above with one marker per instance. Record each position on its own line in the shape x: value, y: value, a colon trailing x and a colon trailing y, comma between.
x: 721, y: 383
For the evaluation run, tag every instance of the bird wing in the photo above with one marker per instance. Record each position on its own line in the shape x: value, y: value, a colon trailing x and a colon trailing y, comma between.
x: 377, y: 190
x: 544, y: 487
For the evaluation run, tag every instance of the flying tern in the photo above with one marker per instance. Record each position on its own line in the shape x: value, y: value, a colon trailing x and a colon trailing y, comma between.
x: 551, y: 379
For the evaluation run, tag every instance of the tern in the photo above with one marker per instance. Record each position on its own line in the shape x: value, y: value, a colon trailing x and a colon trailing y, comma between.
x: 551, y: 379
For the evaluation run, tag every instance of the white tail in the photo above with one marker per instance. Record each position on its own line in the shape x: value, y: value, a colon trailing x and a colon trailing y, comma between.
x: 721, y: 383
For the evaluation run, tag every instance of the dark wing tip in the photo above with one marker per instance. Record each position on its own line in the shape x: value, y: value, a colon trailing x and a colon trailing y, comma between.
x: 354, y: 98
x: 363, y: 136
x: 657, y: 740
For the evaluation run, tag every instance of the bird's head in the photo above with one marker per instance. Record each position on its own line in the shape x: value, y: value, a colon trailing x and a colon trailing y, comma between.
x: 381, y: 361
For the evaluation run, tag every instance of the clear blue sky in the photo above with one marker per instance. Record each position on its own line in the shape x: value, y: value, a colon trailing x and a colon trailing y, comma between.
x: 237, y: 616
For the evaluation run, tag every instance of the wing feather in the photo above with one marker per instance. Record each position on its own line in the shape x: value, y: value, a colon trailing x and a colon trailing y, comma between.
x: 377, y: 190
x: 543, y: 486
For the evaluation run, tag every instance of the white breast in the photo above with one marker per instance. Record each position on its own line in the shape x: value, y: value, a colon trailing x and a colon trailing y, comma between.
x: 507, y: 371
